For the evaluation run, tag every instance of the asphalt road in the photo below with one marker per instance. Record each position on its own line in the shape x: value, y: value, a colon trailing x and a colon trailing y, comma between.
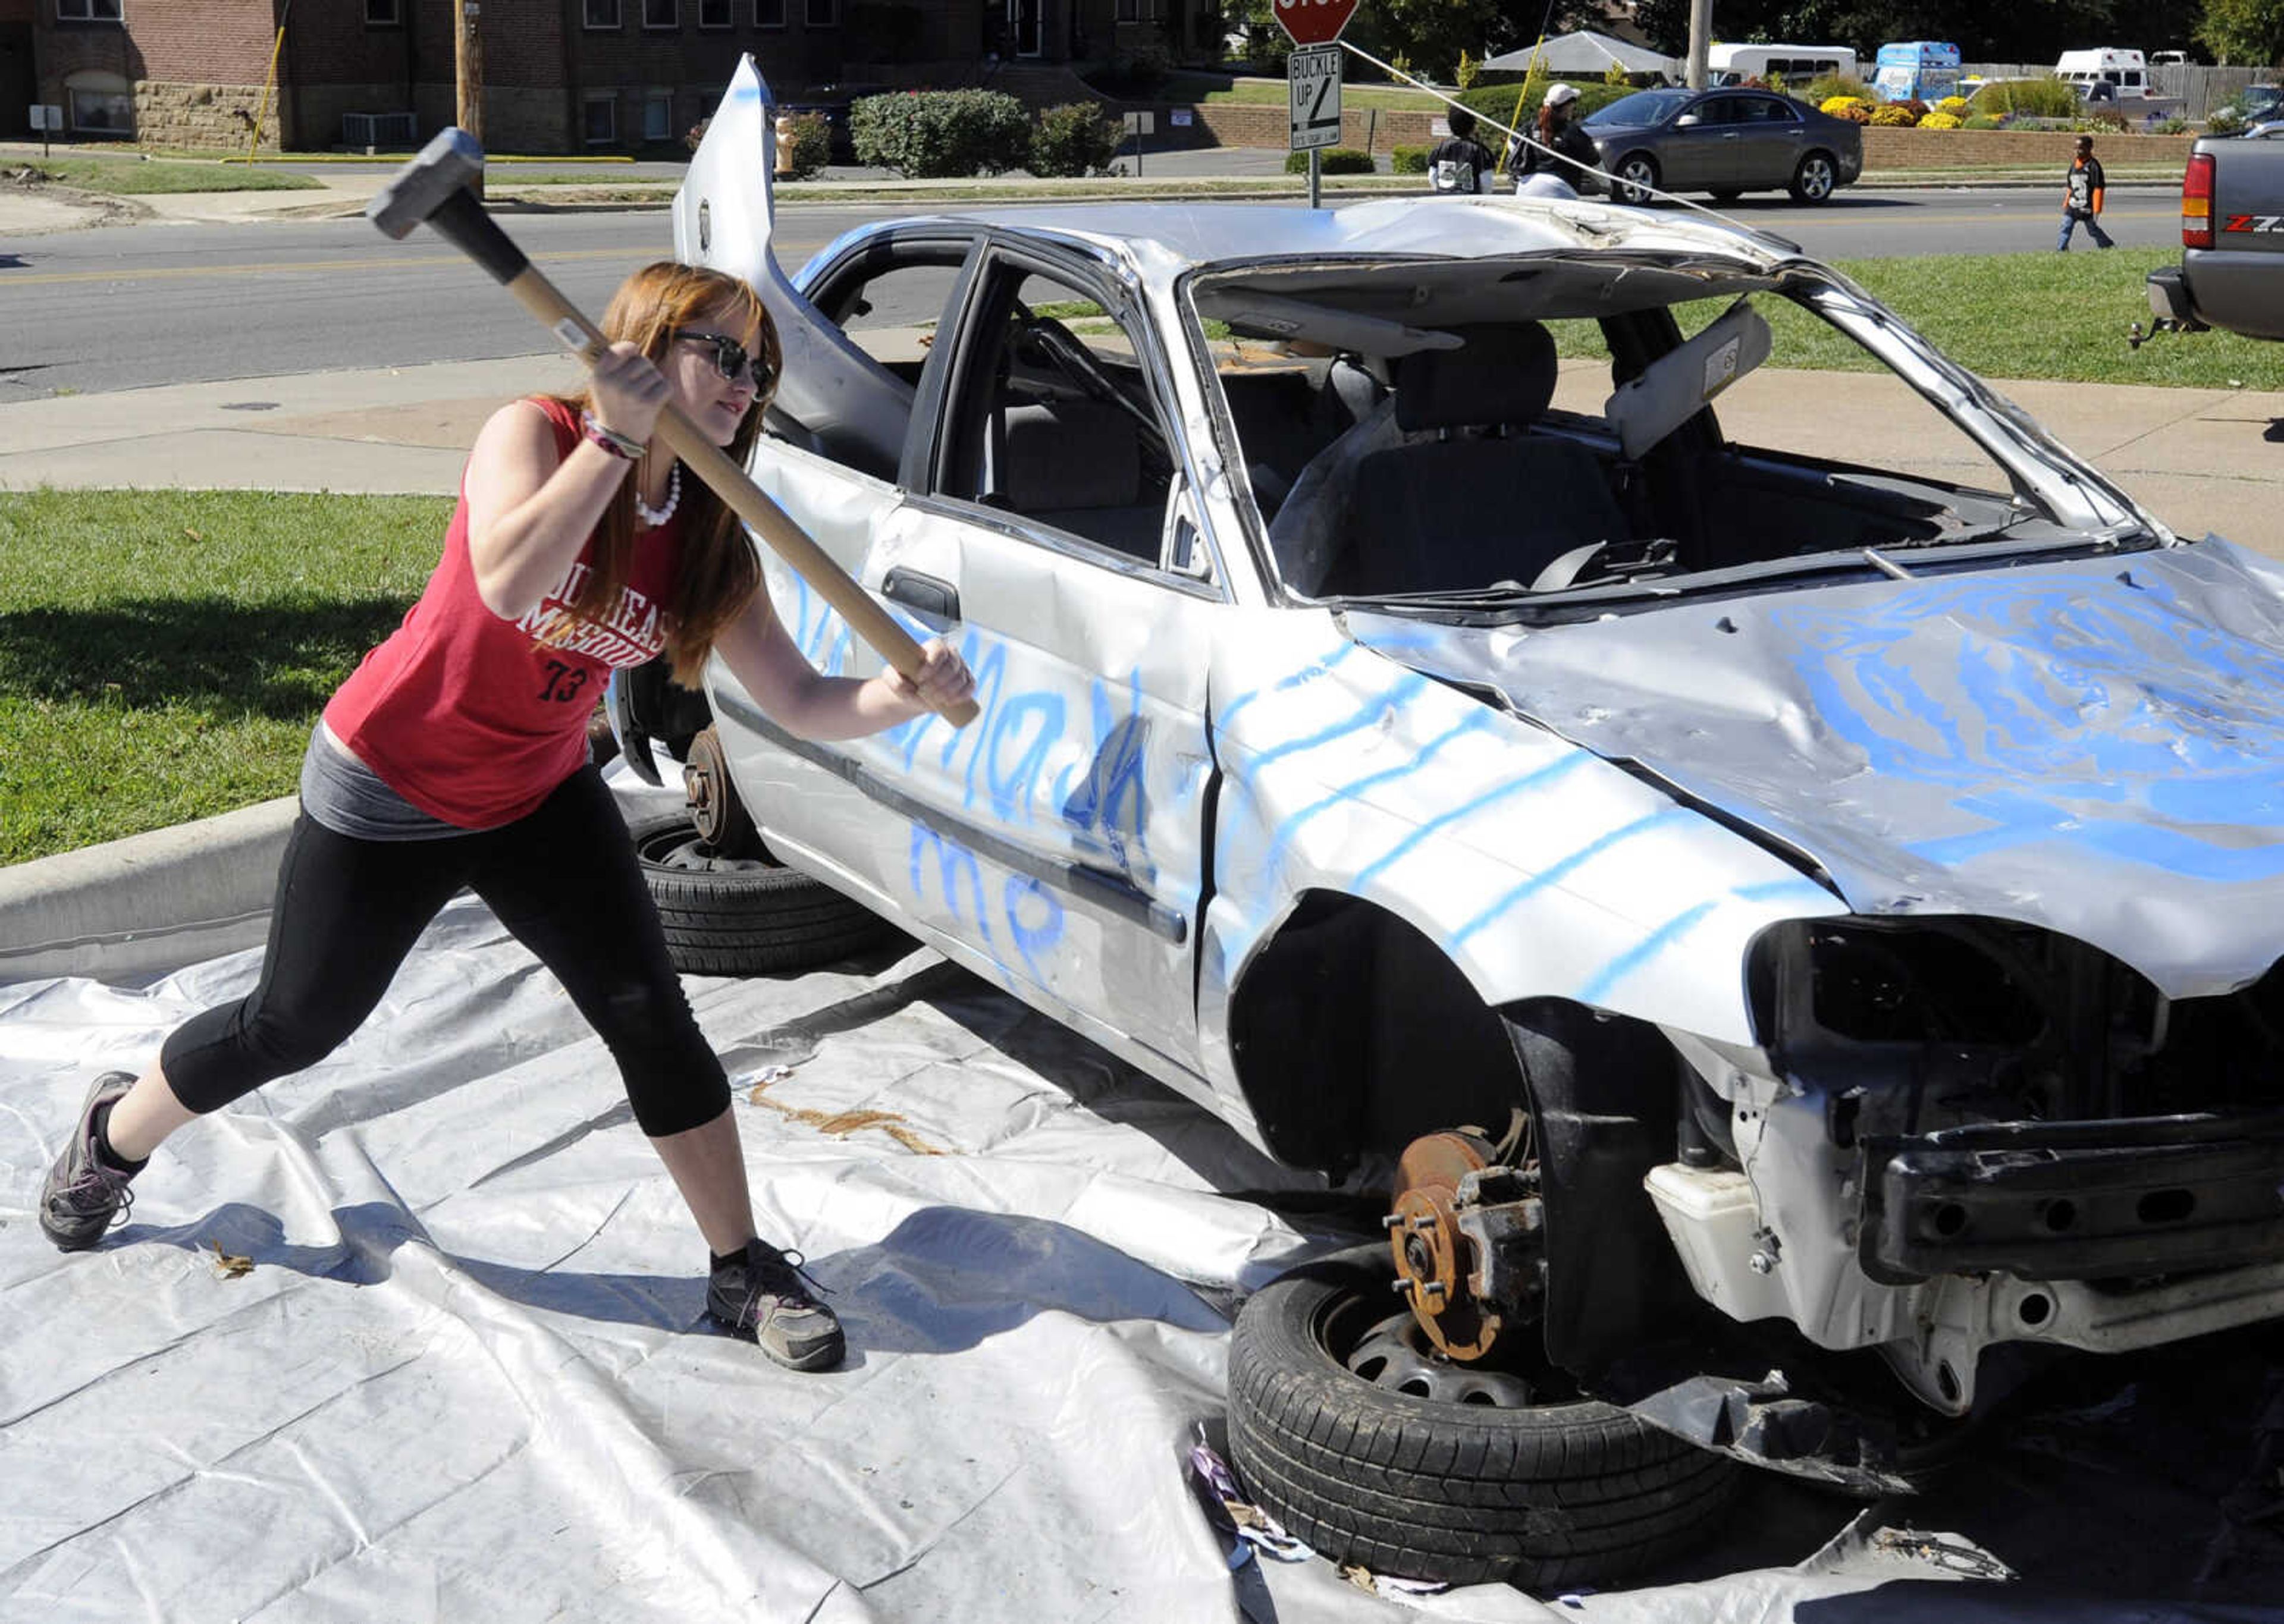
x: 123, y: 306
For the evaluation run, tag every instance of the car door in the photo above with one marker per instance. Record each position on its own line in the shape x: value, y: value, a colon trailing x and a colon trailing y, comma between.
x: 1057, y: 842
x: 1700, y: 147
x: 1770, y: 137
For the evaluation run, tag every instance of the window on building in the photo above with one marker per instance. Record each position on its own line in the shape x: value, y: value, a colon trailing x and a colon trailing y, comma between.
x: 87, y: 10
x: 602, y: 14
x: 602, y: 119
x: 381, y: 14
x: 662, y: 13
x: 102, y: 103
x: 769, y: 13
x: 713, y: 13
x: 658, y: 115
x: 824, y: 14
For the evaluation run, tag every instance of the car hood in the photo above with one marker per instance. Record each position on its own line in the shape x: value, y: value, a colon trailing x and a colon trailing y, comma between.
x: 2095, y: 747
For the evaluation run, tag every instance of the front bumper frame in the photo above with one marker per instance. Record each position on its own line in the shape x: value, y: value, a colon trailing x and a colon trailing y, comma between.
x: 2129, y: 1198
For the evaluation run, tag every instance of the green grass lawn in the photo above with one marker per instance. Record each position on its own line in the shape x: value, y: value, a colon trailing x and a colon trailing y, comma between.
x: 163, y: 654
x: 128, y: 176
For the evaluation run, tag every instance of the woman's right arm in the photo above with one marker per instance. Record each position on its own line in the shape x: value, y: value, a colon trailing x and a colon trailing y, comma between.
x: 530, y: 512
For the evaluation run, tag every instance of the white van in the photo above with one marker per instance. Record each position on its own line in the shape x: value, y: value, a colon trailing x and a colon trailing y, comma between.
x: 2125, y: 72
x: 1796, y: 65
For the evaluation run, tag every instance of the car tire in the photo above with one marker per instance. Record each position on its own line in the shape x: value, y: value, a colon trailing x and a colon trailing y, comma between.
x: 1816, y: 179
x: 743, y: 916
x: 1635, y: 172
x: 1460, y: 1489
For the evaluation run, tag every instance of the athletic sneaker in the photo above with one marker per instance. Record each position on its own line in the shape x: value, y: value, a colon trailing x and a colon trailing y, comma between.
x: 84, y: 1195
x: 764, y: 1297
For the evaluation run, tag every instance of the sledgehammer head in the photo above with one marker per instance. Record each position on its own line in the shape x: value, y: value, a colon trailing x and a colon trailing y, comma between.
x: 443, y: 169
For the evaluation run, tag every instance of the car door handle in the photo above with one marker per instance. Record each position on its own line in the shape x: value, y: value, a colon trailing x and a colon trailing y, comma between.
x: 923, y: 594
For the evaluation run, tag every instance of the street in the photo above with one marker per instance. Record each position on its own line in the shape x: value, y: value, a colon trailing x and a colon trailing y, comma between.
x: 126, y: 306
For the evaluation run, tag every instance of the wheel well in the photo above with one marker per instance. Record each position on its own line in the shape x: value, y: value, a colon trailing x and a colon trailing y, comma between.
x: 1648, y: 158
x: 1335, y: 1023
x: 1353, y: 1033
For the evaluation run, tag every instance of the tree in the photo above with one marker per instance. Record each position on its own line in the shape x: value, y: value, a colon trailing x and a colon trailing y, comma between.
x: 2249, y: 31
x: 1433, y: 33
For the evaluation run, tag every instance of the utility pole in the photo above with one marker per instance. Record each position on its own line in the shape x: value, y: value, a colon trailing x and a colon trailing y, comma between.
x: 1701, y: 41
x: 468, y: 77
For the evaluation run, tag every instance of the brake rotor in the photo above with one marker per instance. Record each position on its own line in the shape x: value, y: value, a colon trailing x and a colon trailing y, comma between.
x: 1432, y: 1259
x: 713, y: 805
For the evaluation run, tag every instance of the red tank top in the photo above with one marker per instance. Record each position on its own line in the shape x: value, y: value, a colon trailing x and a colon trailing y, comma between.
x: 474, y: 719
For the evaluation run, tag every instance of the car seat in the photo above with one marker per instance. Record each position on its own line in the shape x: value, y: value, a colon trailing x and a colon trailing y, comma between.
x: 1478, y: 504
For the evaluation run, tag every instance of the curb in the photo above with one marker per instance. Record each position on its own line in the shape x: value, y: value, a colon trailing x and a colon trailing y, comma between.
x: 151, y: 904
x: 146, y: 904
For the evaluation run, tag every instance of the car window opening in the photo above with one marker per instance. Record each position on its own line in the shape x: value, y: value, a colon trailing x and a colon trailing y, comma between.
x: 1496, y: 430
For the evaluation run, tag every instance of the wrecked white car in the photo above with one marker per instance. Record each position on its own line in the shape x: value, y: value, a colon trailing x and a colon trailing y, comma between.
x: 1760, y: 909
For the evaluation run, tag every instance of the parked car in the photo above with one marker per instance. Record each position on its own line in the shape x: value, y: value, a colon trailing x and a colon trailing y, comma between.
x: 1726, y: 141
x: 1802, y: 930
x: 2231, y: 270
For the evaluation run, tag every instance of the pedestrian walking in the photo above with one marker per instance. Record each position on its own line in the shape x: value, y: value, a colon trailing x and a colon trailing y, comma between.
x: 1558, y: 164
x: 1458, y: 162
x: 455, y: 754
x: 2082, y: 195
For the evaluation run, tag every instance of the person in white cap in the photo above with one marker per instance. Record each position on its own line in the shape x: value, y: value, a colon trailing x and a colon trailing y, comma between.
x: 1557, y: 165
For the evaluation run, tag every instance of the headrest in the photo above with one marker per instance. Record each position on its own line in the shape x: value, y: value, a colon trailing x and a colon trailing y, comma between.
x: 1503, y: 374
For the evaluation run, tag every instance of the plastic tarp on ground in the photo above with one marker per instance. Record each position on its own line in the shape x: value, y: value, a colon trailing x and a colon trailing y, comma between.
x: 461, y: 1370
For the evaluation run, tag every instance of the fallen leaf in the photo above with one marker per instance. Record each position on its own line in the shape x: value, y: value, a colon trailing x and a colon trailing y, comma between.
x: 193, y: 534
x: 229, y: 1266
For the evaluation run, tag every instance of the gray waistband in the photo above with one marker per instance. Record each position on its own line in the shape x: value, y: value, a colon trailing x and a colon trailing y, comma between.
x: 350, y: 798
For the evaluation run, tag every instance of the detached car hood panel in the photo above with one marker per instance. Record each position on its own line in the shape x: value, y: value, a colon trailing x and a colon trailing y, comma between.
x: 2096, y: 747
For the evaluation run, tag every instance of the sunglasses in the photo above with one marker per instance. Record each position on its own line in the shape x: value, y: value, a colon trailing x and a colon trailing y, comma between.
x: 730, y: 359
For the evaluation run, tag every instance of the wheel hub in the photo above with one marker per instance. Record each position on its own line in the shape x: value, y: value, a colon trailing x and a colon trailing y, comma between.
x: 1434, y: 1256
x: 715, y: 809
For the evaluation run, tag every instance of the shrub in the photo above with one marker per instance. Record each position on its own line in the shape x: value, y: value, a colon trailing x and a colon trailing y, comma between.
x: 2045, y: 98
x: 1817, y: 92
x: 941, y: 134
x: 1073, y: 140
x: 2223, y: 121
x: 2171, y: 127
x: 812, y: 144
x: 1894, y: 115
x: 1468, y: 71
x: 1336, y: 160
x: 1955, y: 105
x: 1983, y: 120
x: 1940, y: 120
x: 1407, y: 161
x: 1854, y: 109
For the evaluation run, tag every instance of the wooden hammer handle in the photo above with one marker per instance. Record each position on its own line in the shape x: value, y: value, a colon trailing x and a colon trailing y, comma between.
x: 875, y: 625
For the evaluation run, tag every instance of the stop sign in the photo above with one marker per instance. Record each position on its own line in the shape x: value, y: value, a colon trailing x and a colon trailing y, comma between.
x: 1313, y: 22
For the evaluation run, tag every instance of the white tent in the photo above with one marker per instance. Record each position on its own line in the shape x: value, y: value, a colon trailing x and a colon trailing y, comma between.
x: 1589, y: 53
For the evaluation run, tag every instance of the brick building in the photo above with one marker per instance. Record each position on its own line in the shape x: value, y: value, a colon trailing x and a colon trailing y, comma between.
x: 558, y: 75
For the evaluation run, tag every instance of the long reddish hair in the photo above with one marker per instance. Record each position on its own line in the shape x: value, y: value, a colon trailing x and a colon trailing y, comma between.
x: 719, y: 573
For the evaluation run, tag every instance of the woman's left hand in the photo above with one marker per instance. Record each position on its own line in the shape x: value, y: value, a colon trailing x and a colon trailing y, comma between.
x: 943, y: 679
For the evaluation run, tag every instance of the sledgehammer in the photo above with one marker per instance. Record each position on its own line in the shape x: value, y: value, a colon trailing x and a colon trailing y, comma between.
x: 435, y: 187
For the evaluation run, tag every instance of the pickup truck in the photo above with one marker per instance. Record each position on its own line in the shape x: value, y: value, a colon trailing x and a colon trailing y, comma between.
x: 2231, y: 270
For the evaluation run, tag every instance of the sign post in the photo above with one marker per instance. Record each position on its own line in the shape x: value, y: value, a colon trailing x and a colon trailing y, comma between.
x: 47, y: 120
x: 1313, y: 84
x: 1313, y: 77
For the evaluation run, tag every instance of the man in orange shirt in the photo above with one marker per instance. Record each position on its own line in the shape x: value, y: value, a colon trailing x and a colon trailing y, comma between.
x: 2082, y: 198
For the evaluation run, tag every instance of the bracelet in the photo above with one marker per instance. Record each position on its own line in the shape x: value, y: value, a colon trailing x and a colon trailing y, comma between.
x: 625, y: 446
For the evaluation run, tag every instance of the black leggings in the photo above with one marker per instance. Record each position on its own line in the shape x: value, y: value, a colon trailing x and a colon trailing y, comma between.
x: 564, y: 880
